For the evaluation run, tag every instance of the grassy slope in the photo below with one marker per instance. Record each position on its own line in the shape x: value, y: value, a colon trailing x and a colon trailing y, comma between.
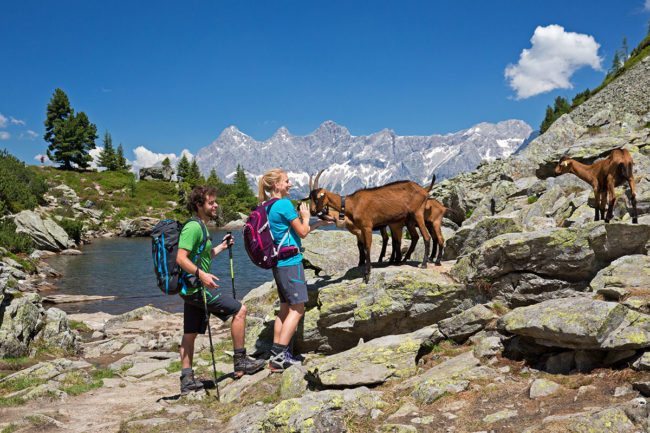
x: 117, y: 195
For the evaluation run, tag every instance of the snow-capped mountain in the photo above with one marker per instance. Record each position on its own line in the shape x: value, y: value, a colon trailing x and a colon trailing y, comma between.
x: 354, y: 162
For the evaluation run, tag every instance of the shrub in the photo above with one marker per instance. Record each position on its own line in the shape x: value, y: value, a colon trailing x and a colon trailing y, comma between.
x: 73, y: 228
x: 532, y: 199
x: 20, y: 188
x: 14, y: 242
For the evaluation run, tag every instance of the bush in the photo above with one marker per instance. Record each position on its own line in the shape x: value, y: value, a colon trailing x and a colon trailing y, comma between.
x: 20, y: 188
x: 73, y: 228
x: 14, y: 242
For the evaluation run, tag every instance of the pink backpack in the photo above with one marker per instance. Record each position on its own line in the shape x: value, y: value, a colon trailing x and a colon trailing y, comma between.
x: 258, y: 239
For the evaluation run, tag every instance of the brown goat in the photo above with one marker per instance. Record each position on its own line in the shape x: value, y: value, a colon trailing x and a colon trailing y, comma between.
x: 433, y: 213
x: 604, y: 176
x: 374, y: 207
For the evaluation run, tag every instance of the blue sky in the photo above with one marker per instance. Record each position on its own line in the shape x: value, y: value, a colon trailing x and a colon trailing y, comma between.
x: 167, y: 75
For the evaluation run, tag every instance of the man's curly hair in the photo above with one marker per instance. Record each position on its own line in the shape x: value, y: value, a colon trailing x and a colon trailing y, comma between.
x: 198, y: 196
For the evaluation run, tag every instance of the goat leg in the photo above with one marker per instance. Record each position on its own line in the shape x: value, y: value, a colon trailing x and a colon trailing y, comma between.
x: 635, y: 220
x: 362, y: 253
x: 384, y: 243
x: 611, y: 193
x: 414, y: 240
x: 367, y: 240
x: 597, y: 203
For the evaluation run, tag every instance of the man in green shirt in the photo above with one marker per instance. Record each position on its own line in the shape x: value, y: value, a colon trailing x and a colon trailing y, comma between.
x: 202, y: 203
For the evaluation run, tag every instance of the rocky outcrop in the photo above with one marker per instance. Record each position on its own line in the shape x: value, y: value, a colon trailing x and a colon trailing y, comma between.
x: 25, y: 324
x: 626, y: 279
x: 156, y: 173
x: 45, y: 233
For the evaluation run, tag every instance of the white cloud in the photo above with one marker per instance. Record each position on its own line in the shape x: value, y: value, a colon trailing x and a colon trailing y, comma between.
x: 15, y: 121
x: 3, y: 121
x: 146, y: 158
x: 31, y: 134
x: 4, y: 135
x: 95, y: 154
x: 554, y: 57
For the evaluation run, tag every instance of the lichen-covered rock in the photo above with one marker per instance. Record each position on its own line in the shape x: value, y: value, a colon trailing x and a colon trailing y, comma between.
x: 451, y: 376
x: 47, y: 370
x: 578, y: 323
x: 156, y: 173
x: 521, y: 289
x: 293, y: 383
x: 57, y: 331
x: 542, y: 388
x: 21, y: 321
x: 373, y: 362
x: 569, y: 254
x: 398, y: 299
x: 643, y: 363
x: 309, y: 413
x: 463, y: 325
x: 470, y: 237
x: 627, y: 276
x: 486, y: 344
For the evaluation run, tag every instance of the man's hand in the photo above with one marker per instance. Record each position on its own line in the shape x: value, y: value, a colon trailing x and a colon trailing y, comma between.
x: 208, y: 280
x: 228, y: 241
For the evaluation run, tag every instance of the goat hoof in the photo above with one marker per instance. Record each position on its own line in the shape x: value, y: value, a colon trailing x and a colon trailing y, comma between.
x: 423, y: 265
x: 438, y: 264
x: 635, y: 221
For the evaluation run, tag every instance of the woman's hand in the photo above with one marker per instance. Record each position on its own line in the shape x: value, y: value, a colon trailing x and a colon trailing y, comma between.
x: 304, y: 211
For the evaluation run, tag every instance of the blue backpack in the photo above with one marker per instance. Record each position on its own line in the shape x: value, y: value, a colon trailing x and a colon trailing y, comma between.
x: 170, y: 277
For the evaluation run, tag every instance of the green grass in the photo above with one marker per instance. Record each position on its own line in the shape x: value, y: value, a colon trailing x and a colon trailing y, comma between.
x: 13, y: 401
x: 28, y: 265
x: 532, y: 199
x: 19, y: 384
x: 174, y: 367
x: 11, y: 428
x: 15, y: 364
x: 79, y: 326
x: 77, y: 383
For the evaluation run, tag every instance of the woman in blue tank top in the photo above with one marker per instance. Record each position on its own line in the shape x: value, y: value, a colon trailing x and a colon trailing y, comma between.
x: 290, y: 227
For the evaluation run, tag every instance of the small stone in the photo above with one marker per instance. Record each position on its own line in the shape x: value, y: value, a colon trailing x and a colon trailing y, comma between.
x: 375, y: 413
x: 643, y: 363
x: 98, y: 335
x: 193, y: 416
x: 505, y: 369
x: 622, y: 390
x: 643, y: 388
x: 500, y: 416
x: 583, y: 390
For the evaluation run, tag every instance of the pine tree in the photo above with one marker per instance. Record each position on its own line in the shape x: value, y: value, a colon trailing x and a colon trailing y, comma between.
x: 616, y: 63
x: 242, y: 191
x: 120, y: 160
x: 71, y: 136
x: 625, y: 50
x: 107, y: 158
x: 183, y: 167
x: 166, y: 163
x: 194, y: 176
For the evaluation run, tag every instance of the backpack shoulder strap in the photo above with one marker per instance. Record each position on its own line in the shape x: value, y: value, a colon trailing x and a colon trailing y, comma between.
x: 205, y: 236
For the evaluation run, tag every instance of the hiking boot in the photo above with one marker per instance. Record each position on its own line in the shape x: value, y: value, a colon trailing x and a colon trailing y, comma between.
x: 189, y: 383
x: 247, y: 365
x: 282, y: 361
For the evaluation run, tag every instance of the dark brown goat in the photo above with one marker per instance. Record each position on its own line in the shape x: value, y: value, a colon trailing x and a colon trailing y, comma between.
x: 434, y: 212
x: 375, y: 207
x: 604, y: 176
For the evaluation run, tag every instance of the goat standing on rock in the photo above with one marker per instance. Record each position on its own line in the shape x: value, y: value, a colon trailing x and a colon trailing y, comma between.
x: 374, y: 207
x: 604, y: 176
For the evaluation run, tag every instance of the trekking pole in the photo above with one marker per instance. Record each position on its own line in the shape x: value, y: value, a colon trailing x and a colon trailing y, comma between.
x: 232, y: 270
x: 207, y: 318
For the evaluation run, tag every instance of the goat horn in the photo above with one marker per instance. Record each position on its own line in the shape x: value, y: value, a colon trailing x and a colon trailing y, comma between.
x: 315, y: 186
x: 310, y: 183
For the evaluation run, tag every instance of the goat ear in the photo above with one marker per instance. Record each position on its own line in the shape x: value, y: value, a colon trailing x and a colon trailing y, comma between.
x: 565, y: 163
x: 321, y: 194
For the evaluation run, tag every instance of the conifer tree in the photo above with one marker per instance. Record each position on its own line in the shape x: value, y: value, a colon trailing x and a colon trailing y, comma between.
x: 107, y: 158
x: 166, y: 163
x: 183, y: 167
x: 120, y: 160
x: 194, y: 176
x: 71, y: 136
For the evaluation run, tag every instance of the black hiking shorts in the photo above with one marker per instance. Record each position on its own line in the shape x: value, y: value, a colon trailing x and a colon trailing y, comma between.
x: 292, y: 288
x: 220, y: 304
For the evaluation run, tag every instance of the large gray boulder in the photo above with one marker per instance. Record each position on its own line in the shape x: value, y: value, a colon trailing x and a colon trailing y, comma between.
x: 156, y: 173
x: 398, y: 299
x: 374, y: 362
x: 467, y: 323
x: 521, y: 289
x: 569, y: 254
x: 624, y: 277
x: 24, y: 321
x: 579, y: 323
x: 46, y: 234
x: 471, y: 236
x: 65, y: 195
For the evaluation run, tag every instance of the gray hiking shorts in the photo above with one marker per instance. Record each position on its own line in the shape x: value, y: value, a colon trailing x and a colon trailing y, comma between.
x: 292, y: 287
